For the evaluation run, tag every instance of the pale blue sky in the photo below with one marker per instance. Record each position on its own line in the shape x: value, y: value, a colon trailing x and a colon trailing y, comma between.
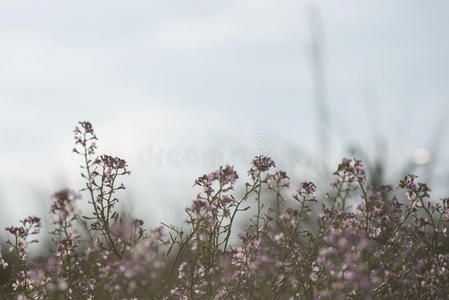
x: 194, y: 76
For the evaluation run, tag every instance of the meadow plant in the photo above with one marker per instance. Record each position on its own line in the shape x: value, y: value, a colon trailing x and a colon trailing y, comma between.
x: 356, y: 242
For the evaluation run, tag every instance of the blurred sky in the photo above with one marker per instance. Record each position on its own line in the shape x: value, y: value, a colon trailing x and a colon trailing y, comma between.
x: 189, y: 78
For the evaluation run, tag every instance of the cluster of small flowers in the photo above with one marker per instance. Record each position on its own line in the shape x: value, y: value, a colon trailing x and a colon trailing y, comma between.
x: 64, y: 206
x: 225, y: 177
x: 390, y: 245
x: 85, y: 138
x: 30, y: 226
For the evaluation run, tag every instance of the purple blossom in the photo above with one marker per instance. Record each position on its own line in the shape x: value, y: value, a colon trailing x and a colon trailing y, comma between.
x: 3, y: 263
x: 64, y: 205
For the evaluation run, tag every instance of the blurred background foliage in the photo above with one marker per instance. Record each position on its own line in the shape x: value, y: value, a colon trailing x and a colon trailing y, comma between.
x: 178, y: 89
